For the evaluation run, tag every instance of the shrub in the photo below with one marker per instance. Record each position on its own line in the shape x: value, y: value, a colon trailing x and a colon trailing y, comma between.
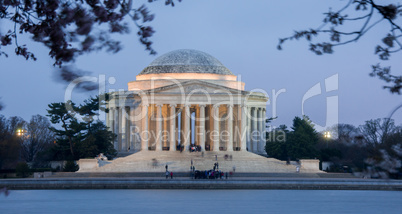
x: 22, y: 170
x: 70, y: 166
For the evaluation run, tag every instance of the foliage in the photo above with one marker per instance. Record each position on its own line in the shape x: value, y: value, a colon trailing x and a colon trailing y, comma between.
x: 22, y: 169
x: 386, y: 157
x: 97, y: 141
x: 71, y: 131
x: 327, y: 154
x: 80, y: 139
x: 374, y: 148
x: 69, y: 28
x: 73, y: 28
x: 302, y: 140
x: 343, y: 151
x: 378, y: 131
x: 298, y: 144
x: 275, y: 146
x: 70, y: 166
x: 349, y: 24
x: 38, y: 138
x: 9, y: 141
x: 20, y: 140
x: 345, y: 133
x: 384, y: 73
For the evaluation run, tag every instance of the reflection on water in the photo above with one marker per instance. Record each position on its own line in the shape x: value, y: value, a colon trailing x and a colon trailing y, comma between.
x: 200, y: 201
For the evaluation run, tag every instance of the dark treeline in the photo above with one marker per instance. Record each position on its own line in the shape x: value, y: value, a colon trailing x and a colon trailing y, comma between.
x: 374, y: 147
x: 37, y: 142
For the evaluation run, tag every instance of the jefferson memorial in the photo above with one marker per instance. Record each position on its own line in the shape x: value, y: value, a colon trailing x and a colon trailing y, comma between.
x: 187, y: 106
x: 187, y: 98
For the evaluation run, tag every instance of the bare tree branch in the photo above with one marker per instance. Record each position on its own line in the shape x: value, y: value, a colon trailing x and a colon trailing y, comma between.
x: 71, y: 28
x: 334, y: 20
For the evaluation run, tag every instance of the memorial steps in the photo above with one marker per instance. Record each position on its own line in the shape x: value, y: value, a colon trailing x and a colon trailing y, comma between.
x: 155, y: 161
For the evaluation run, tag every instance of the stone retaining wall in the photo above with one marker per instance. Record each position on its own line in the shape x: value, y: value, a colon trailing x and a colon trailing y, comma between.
x: 310, y: 184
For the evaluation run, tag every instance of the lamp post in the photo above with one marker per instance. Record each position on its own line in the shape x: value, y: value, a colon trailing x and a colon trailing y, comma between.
x: 20, y: 134
x: 327, y: 136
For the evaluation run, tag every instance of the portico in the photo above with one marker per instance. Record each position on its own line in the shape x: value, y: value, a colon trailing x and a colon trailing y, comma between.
x: 165, y: 109
x: 167, y: 127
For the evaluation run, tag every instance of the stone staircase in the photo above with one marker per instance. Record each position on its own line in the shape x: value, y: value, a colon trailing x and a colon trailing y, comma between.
x: 155, y: 161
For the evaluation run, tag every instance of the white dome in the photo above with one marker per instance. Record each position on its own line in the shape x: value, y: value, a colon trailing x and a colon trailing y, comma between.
x: 186, y: 61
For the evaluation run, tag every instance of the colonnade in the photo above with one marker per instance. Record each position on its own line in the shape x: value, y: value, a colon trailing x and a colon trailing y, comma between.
x: 158, y: 127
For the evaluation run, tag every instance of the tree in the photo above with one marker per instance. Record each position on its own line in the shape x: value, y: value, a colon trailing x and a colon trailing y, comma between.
x: 345, y: 147
x: 9, y: 142
x: 89, y: 110
x: 81, y: 139
x: 352, y: 22
x: 71, y: 128
x: 384, y: 141
x: 276, y: 146
x: 38, y: 138
x: 374, y: 148
x: 345, y: 133
x: 70, y: 166
x: 297, y: 144
x: 14, y: 124
x: 302, y: 140
x: 98, y: 140
x: 378, y: 131
x: 73, y: 28
x: 22, y: 170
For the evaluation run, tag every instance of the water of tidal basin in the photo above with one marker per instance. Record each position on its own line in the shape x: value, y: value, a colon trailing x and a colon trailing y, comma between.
x: 201, y: 201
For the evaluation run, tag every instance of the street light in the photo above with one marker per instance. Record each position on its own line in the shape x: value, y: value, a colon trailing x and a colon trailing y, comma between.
x: 20, y: 132
x: 327, y: 136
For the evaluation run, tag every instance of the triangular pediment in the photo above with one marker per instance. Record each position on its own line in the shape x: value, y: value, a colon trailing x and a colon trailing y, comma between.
x: 194, y: 87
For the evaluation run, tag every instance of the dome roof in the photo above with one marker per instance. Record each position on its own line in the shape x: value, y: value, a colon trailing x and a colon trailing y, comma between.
x: 186, y: 61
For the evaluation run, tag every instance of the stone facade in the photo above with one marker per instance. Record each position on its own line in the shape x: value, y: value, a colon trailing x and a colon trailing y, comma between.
x: 203, y: 107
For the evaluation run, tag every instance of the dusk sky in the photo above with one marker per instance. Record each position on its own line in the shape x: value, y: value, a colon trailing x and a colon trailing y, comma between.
x: 243, y: 35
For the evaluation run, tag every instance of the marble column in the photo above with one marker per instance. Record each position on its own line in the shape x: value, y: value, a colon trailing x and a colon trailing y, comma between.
x: 216, y: 133
x: 123, y: 126
x: 237, y: 127
x: 182, y: 122
x: 116, y: 128
x: 145, y: 132
x: 201, y: 120
x: 172, y: 133
x: 196, y: 134
x: 254, y: 130
x: 166, y: 126
x: 249, y: 125
x: 111, y: 120
x: 132, y: 128
x: 229, y: 145
x: 244, y: 128
x: 259, y: 128
x: 262, y: 130
x: 186, y: 128
x: 210, y: 121
x: 159, y: 120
